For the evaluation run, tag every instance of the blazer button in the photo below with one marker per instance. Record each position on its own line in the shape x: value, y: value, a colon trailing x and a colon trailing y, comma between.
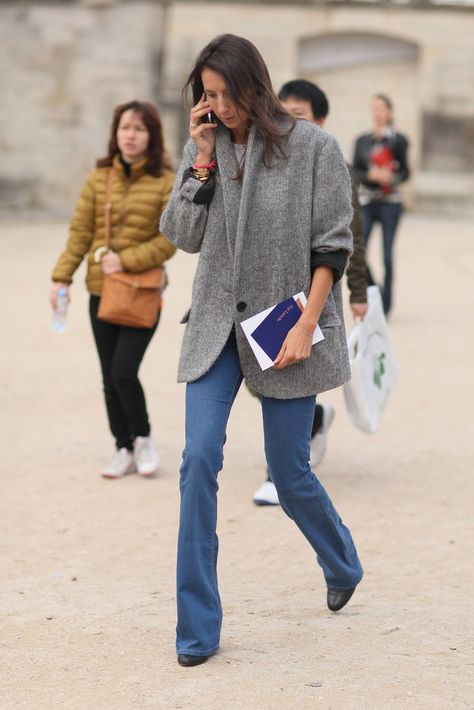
x: 241, y: 306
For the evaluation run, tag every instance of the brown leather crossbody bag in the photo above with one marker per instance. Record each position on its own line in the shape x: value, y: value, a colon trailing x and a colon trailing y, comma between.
x: 129, y: 299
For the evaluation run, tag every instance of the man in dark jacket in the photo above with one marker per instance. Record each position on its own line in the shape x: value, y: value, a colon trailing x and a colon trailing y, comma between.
x: 306, y: 100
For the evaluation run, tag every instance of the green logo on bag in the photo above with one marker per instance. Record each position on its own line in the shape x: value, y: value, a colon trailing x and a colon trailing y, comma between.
x: 380, y: 370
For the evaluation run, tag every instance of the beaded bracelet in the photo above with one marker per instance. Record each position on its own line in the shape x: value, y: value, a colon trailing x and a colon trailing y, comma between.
x: 210, y: 166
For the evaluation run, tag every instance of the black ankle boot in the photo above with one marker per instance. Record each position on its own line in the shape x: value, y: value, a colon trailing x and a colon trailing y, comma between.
x: 185, y: 660
x: 337, y: 599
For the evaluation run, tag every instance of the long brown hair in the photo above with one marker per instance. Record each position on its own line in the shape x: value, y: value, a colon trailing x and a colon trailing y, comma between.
x: 157, y: 156
x: 247, y: 79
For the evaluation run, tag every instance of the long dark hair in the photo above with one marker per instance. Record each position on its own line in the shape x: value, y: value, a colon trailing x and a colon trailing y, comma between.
x: 157, y: 156
x: 247, y: 79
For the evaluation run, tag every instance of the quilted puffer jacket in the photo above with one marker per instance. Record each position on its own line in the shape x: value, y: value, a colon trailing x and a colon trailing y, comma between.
x: 138, y: 199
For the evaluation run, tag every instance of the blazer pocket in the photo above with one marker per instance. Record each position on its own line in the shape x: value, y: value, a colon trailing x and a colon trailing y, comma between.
x: 329, y: 316
x: 186, y: 315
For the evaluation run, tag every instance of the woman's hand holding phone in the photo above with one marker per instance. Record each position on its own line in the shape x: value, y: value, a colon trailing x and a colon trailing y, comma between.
x: 201, y: 129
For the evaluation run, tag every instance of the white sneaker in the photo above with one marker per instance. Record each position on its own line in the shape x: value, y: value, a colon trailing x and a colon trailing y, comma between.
x: 146, y: 455
x: 266, y: 494
x: 122, y: 463
x: 319, y: 441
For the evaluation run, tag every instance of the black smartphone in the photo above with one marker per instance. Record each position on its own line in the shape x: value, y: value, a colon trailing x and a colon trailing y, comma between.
x: 209, y: 117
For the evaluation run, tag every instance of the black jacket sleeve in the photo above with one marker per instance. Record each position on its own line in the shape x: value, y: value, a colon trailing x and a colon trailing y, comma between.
x: 336, y: 260
x: 400, y: 150
x: 206, y: 192
x: 361, y: 159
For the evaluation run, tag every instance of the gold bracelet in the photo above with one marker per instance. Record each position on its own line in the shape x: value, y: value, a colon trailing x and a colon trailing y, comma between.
x: 202, y: 174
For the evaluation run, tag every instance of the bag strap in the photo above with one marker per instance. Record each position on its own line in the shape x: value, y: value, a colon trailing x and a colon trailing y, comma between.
x: 108, y: 208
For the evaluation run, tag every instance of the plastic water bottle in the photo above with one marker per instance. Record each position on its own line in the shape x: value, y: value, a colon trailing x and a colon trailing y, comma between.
x: 60, y: 312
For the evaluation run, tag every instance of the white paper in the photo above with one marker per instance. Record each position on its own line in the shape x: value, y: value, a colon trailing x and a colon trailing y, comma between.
x: 250, y: 324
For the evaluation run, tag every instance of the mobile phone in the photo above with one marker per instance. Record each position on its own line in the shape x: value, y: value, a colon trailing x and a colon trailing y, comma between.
x: 209, y: 117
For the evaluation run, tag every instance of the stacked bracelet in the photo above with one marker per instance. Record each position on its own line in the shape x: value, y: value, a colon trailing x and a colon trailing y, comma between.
x: 210, y: 166
x: 201, y: 174
x: 202, y: 171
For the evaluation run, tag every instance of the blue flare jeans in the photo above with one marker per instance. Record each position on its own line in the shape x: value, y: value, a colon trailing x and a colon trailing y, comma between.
x: 287, y: 433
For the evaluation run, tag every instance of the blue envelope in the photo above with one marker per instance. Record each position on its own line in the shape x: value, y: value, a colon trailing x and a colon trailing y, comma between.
x: 272, y: 331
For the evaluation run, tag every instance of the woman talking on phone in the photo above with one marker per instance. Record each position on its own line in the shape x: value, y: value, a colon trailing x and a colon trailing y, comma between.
x: 266, y: 200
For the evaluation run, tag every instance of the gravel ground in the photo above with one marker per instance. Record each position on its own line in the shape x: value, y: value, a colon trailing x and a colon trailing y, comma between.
x: 87, y: 584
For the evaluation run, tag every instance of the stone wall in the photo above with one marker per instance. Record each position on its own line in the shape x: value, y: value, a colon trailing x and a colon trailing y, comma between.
x: 65, y: 65
x: 433, y: 85
x: 63, y: 68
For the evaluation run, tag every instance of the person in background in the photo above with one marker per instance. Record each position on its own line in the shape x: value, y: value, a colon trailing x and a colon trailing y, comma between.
x: 249, y: 174
x: 380, y: 163
x: 305, y: 100
x: 141, y: 185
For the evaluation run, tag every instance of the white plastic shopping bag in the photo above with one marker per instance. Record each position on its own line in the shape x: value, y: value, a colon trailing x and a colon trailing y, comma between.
x: 373, y: 365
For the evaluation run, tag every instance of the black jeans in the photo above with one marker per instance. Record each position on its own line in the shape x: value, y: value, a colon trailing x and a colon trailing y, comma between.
x: 121, y: 350
x: 388, y: 214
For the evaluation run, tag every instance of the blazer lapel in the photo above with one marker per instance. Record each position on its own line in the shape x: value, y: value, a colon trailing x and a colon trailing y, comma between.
x: 252, y: 162
x: 231, y: 188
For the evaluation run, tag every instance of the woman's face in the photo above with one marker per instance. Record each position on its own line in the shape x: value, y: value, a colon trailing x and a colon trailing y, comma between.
x: 132, y: 136
x: 221, y: 103
x: 381, y: 114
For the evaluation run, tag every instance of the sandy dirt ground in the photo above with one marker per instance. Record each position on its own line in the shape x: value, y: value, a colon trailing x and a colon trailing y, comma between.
x: 87, y: 584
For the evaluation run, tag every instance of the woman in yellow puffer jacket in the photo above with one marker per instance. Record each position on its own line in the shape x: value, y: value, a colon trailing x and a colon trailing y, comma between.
x: 141, y: 185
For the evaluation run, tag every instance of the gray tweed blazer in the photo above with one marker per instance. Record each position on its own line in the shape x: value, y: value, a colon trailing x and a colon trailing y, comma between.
x: 255, y: 241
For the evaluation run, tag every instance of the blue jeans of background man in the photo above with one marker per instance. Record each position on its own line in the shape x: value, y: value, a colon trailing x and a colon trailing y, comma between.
x: 287, y: 431
x: 388, y: 214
